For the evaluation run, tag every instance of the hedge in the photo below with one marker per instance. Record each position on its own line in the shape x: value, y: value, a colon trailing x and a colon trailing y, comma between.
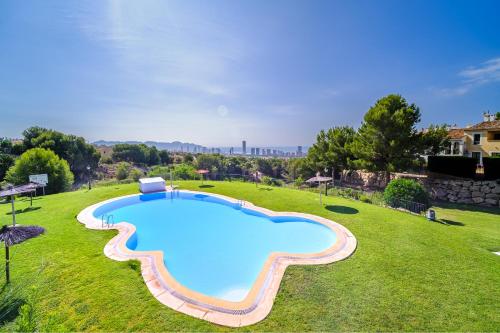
x: 491, y: 167
x: 460, y: 166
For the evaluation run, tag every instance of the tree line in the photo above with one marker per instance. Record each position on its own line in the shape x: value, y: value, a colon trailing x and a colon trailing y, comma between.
x: 387, y: 141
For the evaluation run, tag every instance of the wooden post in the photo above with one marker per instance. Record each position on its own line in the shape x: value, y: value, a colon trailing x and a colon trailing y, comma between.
x: 13, y: 210
x: 7, y: 264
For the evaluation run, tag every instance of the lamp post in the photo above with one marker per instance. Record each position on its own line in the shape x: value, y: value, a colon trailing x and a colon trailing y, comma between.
x: 88, y: 170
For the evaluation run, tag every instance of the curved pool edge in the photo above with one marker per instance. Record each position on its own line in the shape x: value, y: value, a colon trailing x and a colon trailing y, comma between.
x: 259, y: 301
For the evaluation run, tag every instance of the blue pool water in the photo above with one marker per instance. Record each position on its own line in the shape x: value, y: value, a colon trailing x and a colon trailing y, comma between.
x: 210, y: 245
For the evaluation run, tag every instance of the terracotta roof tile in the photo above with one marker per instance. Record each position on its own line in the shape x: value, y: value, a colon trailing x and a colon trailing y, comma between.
x: 495, y: 124
x: 456, y: 133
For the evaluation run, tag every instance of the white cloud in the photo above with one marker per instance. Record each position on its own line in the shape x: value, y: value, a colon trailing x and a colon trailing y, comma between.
x: 473, y: 77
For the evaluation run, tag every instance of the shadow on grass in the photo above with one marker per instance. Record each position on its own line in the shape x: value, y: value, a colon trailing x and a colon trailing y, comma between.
x: 206, y: 186
x: 342, y: 209
x: 25, y: 210
x: 9, y: 310
x: 450, y: 222
x: 265, y: 189
x: 465, y: 207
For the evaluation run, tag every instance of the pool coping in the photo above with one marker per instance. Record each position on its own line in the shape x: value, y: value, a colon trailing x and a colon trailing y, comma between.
x: 259, y: 301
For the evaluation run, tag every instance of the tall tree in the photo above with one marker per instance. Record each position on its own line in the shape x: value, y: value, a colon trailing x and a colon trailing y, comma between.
x: 71, y: 148
x: 332, y: 149
x: 435, y: 140
x: 388, y: 139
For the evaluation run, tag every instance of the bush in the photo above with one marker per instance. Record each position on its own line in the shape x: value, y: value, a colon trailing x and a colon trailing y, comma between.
x: 266, y: 180
x: 38, y: 161
x: 122, y: 170
x: 491, y: 167
x: 160, y: 171
x: 459, y: 166
x: 299, y: 181
x: 136, y: 174
x: 405, y: 190
x: 364, y: 198
x: 184, y: 171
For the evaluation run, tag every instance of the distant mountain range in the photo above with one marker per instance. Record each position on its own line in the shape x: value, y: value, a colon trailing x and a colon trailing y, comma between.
x: 171, y: 146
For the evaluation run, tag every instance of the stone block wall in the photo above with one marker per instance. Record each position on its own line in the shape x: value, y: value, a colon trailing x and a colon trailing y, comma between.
x: 484, y: 193
x: 466, y: 191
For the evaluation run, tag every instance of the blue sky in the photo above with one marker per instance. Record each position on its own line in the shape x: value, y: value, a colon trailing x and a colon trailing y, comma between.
x: 217, y: 72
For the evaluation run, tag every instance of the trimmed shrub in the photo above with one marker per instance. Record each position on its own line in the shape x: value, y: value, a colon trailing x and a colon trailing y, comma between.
x: 38, y: 161
x: 459, y: 166
x: 491, y: 167
x: 405, y: 190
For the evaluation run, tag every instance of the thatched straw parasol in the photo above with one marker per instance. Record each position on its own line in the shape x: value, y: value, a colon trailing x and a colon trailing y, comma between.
x: 202, y: 172
x: 14, y: 235
x: 320, y: 180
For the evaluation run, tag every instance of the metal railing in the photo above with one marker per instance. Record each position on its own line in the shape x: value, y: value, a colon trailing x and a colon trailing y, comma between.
x: 412, y: 206
x: 106, y: 220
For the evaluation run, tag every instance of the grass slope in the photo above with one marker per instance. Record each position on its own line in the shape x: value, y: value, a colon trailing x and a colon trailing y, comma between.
x: 406, y: 275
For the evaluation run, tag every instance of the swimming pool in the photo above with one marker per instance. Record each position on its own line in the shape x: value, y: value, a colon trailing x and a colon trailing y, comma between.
x: 213, y: 252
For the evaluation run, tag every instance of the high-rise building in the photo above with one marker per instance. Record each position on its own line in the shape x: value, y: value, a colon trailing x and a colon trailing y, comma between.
x: 257, y: 151
x: 252, y: 151
x: 268, y: 152
x: 231, y: 151
x: 244, y: 147
x: 299, y: 151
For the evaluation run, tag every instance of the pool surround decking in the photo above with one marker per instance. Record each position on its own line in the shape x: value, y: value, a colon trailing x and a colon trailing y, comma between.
x: 259, y: 301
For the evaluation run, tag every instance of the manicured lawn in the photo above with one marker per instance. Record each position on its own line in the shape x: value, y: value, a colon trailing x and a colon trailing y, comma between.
x: 406, y: 275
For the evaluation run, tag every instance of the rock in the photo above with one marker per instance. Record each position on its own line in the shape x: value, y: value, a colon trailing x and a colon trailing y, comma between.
x: 477, y: 194
x: 465, y: 201
x: 485, y: 189
x: 475, y: 188
x: 492, y: 202
x: 451, y: 197
x: 492, y: 196
x: 467, y: 183
x: 456, y: 188
x: 496, y: 189
x: 464, y: 194
x: 477, y: 200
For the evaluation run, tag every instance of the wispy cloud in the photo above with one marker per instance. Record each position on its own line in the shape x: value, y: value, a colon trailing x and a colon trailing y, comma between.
x: 473, y: 77
x: 160, y: 43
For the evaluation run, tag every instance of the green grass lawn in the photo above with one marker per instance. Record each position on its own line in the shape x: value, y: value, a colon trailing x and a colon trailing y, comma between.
x: 407, y: 274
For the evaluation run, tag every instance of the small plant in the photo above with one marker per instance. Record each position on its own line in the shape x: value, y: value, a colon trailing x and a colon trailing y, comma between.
x: 266, y: 180
x: 364, y: 198
x: 405, y: 190
x: 26, y: 322
x: 122, y: 170
x: 299, y: 181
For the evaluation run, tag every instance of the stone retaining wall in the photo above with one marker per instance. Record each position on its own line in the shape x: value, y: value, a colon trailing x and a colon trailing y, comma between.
x: 484, y: 193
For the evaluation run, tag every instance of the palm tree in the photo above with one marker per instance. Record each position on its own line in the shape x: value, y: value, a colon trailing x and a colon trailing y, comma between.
x: 12, y: 235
